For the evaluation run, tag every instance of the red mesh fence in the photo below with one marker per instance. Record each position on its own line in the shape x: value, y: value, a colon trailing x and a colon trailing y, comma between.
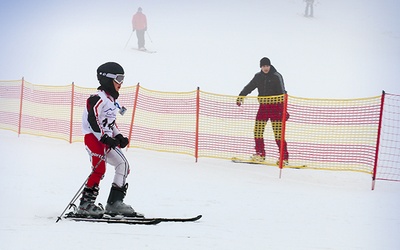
x: 389, y: 143
x: 334, y: 134
x: 165, y: 121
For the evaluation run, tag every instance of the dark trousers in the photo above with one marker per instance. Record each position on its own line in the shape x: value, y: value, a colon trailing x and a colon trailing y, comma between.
x: 140, y: 37
x: 309, y: 7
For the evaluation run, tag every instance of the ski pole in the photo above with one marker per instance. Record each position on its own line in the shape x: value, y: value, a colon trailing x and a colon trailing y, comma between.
x: 84, y: 183
x: 128, y: 39
x: 149, y: 36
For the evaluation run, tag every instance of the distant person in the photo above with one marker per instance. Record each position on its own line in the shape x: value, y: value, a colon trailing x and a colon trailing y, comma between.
x: 139, y: 24
x: 309, y: 12
x: 271, y: 88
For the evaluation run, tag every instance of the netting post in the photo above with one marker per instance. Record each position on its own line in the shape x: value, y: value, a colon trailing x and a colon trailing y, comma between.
x: 196, y: 143
x: 72, y: 112
x: 133, y: 114
x: 20, y: 106
x: 378, y: 141
x: 283, y: 131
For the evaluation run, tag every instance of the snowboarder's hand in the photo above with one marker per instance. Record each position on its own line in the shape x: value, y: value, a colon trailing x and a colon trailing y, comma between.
x: 123, y: 141
x: 109, y: 141
x: 239, y: 101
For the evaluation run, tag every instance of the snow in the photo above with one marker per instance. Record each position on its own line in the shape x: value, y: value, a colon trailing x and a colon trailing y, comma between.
x: 243, y: 206
x: 350, y: 49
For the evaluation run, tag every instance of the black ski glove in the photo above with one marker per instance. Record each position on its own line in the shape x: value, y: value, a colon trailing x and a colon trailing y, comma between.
x: 109, y: 141
x: 123, y: 141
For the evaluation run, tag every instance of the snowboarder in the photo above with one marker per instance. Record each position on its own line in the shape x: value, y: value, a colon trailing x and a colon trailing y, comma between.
x: 103, y: 142
x: 309, y: 7
x: 271, y: 88
x: 139, y: 24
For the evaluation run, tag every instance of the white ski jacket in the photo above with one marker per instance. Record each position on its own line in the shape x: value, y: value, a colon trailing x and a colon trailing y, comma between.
x: 99, y: 115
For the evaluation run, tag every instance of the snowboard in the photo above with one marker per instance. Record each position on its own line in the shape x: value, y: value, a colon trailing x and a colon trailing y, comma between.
x: 249, y: 161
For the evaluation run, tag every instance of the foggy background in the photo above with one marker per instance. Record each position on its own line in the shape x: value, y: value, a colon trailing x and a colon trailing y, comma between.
x: 351, y: 48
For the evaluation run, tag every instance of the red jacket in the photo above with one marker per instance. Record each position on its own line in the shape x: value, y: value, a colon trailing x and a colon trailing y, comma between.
x: 139, y: 21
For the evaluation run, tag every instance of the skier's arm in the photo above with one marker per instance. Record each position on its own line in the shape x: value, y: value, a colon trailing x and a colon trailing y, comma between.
x: 252, y: 85
x: 94, y: 105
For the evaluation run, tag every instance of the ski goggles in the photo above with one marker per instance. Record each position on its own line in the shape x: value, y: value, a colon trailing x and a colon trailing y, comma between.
x: 118, y: 78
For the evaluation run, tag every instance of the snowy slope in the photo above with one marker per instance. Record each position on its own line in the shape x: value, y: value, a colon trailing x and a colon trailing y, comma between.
x: 350, y: 49
x: 243, y: 206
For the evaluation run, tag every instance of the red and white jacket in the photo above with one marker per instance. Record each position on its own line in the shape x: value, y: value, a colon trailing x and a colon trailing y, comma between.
x: 100, y: 114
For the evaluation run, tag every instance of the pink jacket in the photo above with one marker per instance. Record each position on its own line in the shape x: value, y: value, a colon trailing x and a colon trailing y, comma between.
x: 139, y: 21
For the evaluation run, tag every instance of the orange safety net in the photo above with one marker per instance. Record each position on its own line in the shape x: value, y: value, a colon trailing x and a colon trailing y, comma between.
x: 334, y: 134
x: 165, y: 121
x: 10, y: 100
x: 331, y: 134
x: 389, y: 143
x: 320, y: 133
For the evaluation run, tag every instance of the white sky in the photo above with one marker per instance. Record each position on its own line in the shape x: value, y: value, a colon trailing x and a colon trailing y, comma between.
x: 350, y: 49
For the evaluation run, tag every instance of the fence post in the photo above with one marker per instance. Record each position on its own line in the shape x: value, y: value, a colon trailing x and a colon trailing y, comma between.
x: 71, y: 123
x: 378, y: 140
x: 283, y: 132
x: 20, y: 105
x: 196, y: 143
x: 133, y: 113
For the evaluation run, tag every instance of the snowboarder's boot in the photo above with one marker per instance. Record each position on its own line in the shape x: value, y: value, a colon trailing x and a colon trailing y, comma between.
x: 257, y: 158
x: 87, y: 208
x: 284, y: 163
x: 115, y: 203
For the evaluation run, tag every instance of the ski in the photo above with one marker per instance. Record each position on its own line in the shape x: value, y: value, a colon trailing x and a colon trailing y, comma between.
x: 166, y: 219
x: 145, y: 51
x: 131, y: 220
x: 112, y: 220
x: 249, y: 161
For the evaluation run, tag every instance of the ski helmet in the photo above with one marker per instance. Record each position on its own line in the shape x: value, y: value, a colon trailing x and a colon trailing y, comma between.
x: 106, y: 83
x: 110, y: 67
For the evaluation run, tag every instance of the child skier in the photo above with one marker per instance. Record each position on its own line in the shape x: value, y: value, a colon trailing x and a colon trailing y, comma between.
x: 103, y: 142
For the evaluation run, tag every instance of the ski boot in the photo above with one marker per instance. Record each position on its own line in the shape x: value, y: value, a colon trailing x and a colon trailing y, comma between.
x: 115, y: 203
x: 87, y: 208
